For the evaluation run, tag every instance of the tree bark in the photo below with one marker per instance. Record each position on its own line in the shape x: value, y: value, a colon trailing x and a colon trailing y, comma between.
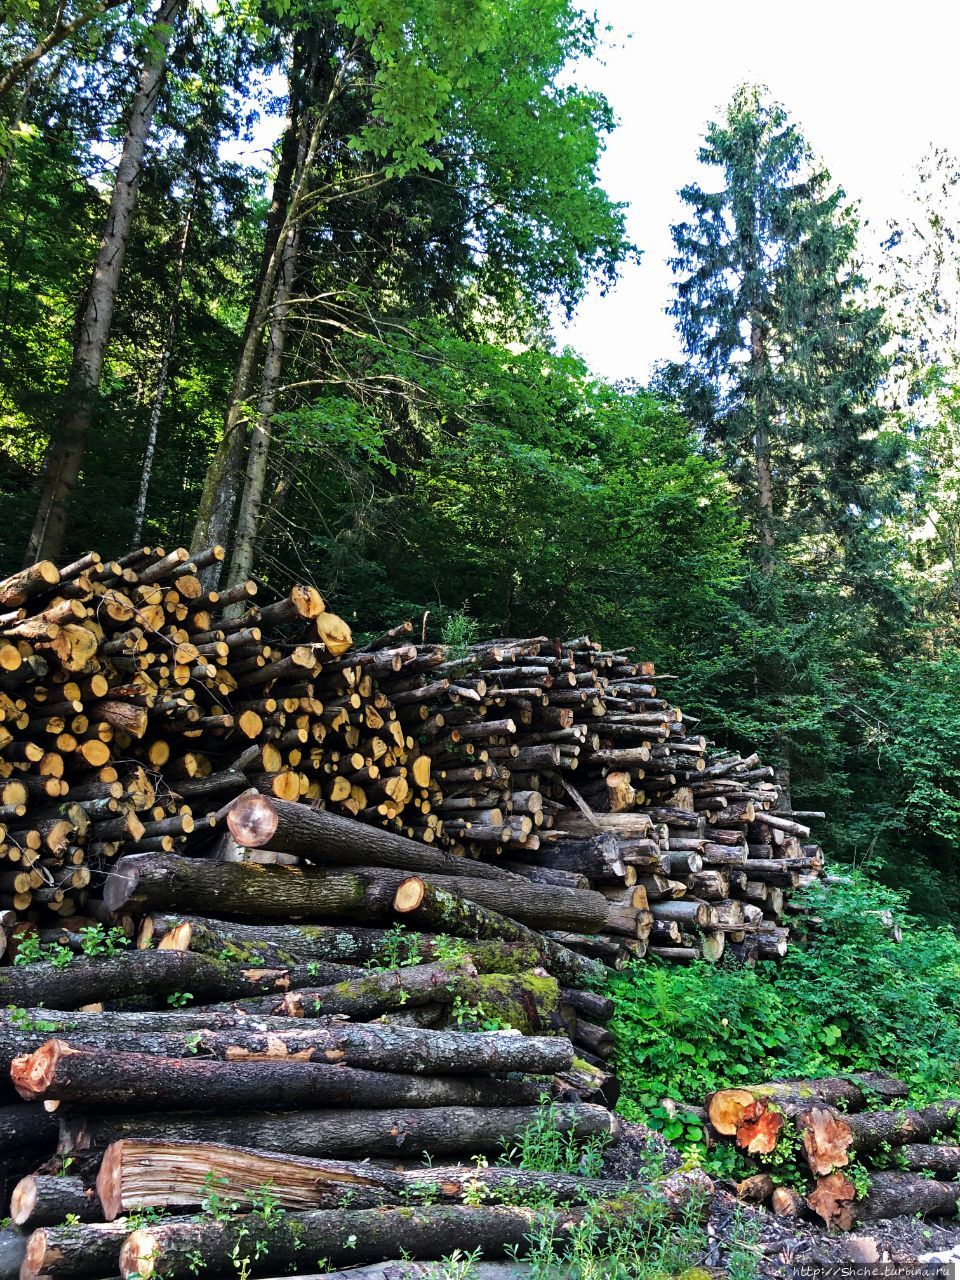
x: 259, y: 821
x: 178, y: 1174
x: 534, y: 904
x: 258, y: 451
x: 452, y: 913
x: 145, y: 881
x: 90, y: 1249
x: 44, y: 1200
x: 400, y: 1133
x: 97, y: 1078
x: 157, y: 974
x: 65, y: 455
x: 163, y: 371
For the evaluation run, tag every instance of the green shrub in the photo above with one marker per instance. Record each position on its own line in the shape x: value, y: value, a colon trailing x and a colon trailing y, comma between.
x: 848, y: 999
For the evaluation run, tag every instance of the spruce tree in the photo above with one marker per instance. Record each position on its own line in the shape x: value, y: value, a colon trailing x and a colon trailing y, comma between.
x: 786, y: 354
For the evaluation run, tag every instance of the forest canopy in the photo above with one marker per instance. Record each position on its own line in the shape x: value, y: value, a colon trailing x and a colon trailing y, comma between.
x: 332, y: 355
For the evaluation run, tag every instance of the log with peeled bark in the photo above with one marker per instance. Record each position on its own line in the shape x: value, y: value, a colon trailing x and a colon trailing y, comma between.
x: 145, y: 881
x: 157, y: 974
x: 134, y: 1173
x: 891, y: 1195
x: 424, y: 903
x: 263, y: 822
x: 44, y: 1200
x: 100, y: 1079
x: 400, y: 1133
x: 373, y: 993
x: 281, y: 945
x: 373, y: 1046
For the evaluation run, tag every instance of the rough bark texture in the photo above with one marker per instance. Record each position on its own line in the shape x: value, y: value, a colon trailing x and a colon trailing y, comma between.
x: 65, y: 457
x: 401, y: 1132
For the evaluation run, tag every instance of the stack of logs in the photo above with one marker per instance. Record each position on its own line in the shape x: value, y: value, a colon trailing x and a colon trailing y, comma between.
x: 853, y: 1145
x: 136, y: 706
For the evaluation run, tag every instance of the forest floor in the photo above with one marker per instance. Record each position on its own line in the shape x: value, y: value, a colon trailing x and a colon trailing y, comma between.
x: 782, y: 1244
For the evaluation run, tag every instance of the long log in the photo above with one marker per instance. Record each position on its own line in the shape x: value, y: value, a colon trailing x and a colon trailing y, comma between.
x: 831, y: 1137
x: 365, y: 1235
x: 935, y: 1157
x: 147, y: 881
x: 531, y: 904
x: 232, y: 1036
x: 158, y: 974
x: 57, y: 1072
x: 259, y: 821
x: 451, y: 913
x: 134, y: 1173
x: 280, y: 945
x: 894, y: 1194
x: 400, y: 1133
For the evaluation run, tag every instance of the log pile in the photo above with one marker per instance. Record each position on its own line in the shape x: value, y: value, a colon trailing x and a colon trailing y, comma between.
x: 843, y: 1150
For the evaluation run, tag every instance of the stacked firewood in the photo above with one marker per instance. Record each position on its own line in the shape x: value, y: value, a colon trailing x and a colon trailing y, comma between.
x: 842, y: 1149
x: 137, y: 706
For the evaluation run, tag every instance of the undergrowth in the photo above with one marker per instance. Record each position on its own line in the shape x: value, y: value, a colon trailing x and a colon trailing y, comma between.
x: 847, y: 999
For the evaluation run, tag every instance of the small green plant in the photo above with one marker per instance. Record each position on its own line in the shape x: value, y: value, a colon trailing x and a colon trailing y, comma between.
x: 459, y: 1265
x: 475, y: 1017
x: 458, y: 632
x: 30, y: 950
x: 22, y: 1020
x: 71, y: 1220
x: 95, y: 940
x: 400, y: 949
x: 179, y: 999
x: 65, y: 1165
x: 545, y: 1146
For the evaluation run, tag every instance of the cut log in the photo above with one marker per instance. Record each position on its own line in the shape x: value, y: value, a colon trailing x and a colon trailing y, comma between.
x: 56, y: 1072
x: 832, y: 1200
x: 399, y: 1133
x: 43, y: 1200
x: 531, y: 904
x: 258, y: 821
x: 894, y: 1194
x: 168, y: 1175
x: 424, y: 903
x: 937, y: 1158
x: 91, y: 1249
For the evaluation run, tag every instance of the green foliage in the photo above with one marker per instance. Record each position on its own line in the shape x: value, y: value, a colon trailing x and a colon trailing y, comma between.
x: 850, y: 999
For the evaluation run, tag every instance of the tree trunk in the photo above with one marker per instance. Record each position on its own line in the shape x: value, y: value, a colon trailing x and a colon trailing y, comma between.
x: 158, y: 974
x: 65, y: 455
x: 282, y: 945
x: 57, y: 1072
x: 163, y: 372
x: 533, y: 904
x: 178, y: 1175
x: 91, y: 1249
x: 259, y: 821
x: 894, y: 1194
x: 364, y: 1235
x: 401, y: 1134
x: 44, y: 1200
x: 452, y: 913
x: 375, y: 1047
x: 144, y: 881
x: 258, y: 452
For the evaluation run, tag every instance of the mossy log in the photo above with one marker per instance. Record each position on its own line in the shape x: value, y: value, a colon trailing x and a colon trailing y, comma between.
x: 263, y: 822
x: 157, y: 974
x: 455, y: 914
x: 143, y: 882
x: 134, y: 1173
x: 401, y: 1133
x: 99, y: 1079
x: 281, y: 945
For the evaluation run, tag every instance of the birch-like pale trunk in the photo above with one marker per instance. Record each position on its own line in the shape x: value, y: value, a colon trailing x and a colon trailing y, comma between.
x: 163, y: 374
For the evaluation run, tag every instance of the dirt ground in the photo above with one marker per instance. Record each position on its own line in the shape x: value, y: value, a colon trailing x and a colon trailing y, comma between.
x: 784, y: 1243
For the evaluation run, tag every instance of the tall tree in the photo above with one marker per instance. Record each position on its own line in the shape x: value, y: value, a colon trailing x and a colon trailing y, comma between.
x: 65, y: 455
x: 788, y: 354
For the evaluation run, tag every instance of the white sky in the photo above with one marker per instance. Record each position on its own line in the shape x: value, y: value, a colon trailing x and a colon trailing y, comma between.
x: 872, y: 86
